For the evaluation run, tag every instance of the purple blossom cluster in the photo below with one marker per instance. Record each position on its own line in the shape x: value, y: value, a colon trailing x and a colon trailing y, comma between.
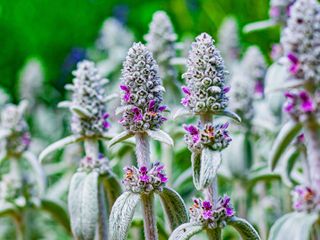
x: 144, y: 180
x: 305, y: 199
x: 299, y: 103
x: 141, y: 91
x: 205, y: 91
x: 16, y: 139
x: 88, y: 95
x: 301, y: 42
x: 205, y: 213
x: 214, y: 136
x: 99, y: 164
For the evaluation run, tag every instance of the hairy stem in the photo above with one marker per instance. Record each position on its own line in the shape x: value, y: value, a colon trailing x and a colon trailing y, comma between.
x: 211, y: 192
x: 150, y: 226
x: 168, y: 160
x: 214, y: 234
x: 313, y: 149
x: 142, y: 149
x: 91, y: 148
x: 143, y: 159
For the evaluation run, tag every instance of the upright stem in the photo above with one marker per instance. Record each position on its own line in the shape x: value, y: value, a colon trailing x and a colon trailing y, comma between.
x: 168, y: 160
x: 91, y: 148
x: 214, y: 234
x: 211, y: 192
x: 313, y: 149
x: 143, y: 159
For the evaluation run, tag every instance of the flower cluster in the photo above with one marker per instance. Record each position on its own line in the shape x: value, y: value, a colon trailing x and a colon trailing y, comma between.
x: 214, y: 136
x: 205, y: 91
x: 89, y: 116
x: 229, y: 43
x: 255, y: 68
x: 100, y: 164
x: 15, y: 131
x: 210, y: 216
x: 144, y: 180
x: 280, y: 10
x: 160, y: 41
x: 299, y: 103
x: 141, y: 91
x: 301, y: 42
x: 305, y: 199
x: 19, y: 192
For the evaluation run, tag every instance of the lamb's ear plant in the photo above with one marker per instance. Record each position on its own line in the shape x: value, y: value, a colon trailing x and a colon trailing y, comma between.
x: 300, y: 42
x: 142, y: 117
x: 93, y: 188
x: 205, y: 96
x: 22, y: 191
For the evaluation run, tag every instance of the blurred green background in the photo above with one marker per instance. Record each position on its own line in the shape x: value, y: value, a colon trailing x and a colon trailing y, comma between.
x: 56, y: 31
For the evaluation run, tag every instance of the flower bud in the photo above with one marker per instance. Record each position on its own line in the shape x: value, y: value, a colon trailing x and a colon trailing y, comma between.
x: 89, y: 96
x: 142, y: 101
x: 301, y: 42
x: 305, y: 199
x: 205, y: 78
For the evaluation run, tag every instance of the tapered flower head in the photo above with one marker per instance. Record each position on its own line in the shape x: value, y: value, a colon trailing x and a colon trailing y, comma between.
x: 144, y: 180
x: 141, y: 91
x: 229, y: 43
x: 205, y: 91
x: 160, y: 41
x: 215, y: 137
x: 100, y: 164
x: 205, y: 213
x: 301, y: 42
x: 254, y: 66
x: 15, y: 135
x: 89, y: 114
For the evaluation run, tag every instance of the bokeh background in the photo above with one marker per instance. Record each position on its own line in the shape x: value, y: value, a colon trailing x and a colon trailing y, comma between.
x: 58, y: 32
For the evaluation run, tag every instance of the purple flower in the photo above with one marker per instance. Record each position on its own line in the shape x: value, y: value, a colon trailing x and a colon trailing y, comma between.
x: 26, y: 140
x: 144, y: 178
x: 127, y: 94
x: 307, y: 105
x: 152, y: 104
x: 143, y: 170
x: 162, y: 177
x: 259, y: 88
x: 137, y: 114
x: 162, y: 108
x: 207, y: 214
x: 294, y: 68
x: 226, y: 89
x: 193, y: 131
x: 300, y: 138
x: 186, y: 100
x: 105, y: 116
x: 274, y: 12
x: 206, y: 205
x: 106, y: 124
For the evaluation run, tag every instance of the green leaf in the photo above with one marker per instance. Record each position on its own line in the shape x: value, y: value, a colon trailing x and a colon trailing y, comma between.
x: 80, y: 112
x: 262, y: 174
x: 293, y: 226
x: 74, y: 202
x: 161, y: 136
x: 287, y: 133
x: 7, y: 209
x: 174, y: 207
x: 58, y: 145
x: 120, y: 137
x: 229, y: 114
x: 289, y: 159
x: 83, y: 204
x: 256, y: 26
x: 210, y: 163
x: 186, y: 231
x: 89, y: 206
x: 196, y: 167
x: 122, y: 214
x: 181, y: 112
x: 58, y: 212
x: 112, y: 188
x: 244, y: 228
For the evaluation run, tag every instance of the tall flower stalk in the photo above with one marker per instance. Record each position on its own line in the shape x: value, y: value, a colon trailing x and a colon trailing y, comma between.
x: 142, y: 117
x: 205, y: 96
x: 93, y: 188
x: 300, y: 42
